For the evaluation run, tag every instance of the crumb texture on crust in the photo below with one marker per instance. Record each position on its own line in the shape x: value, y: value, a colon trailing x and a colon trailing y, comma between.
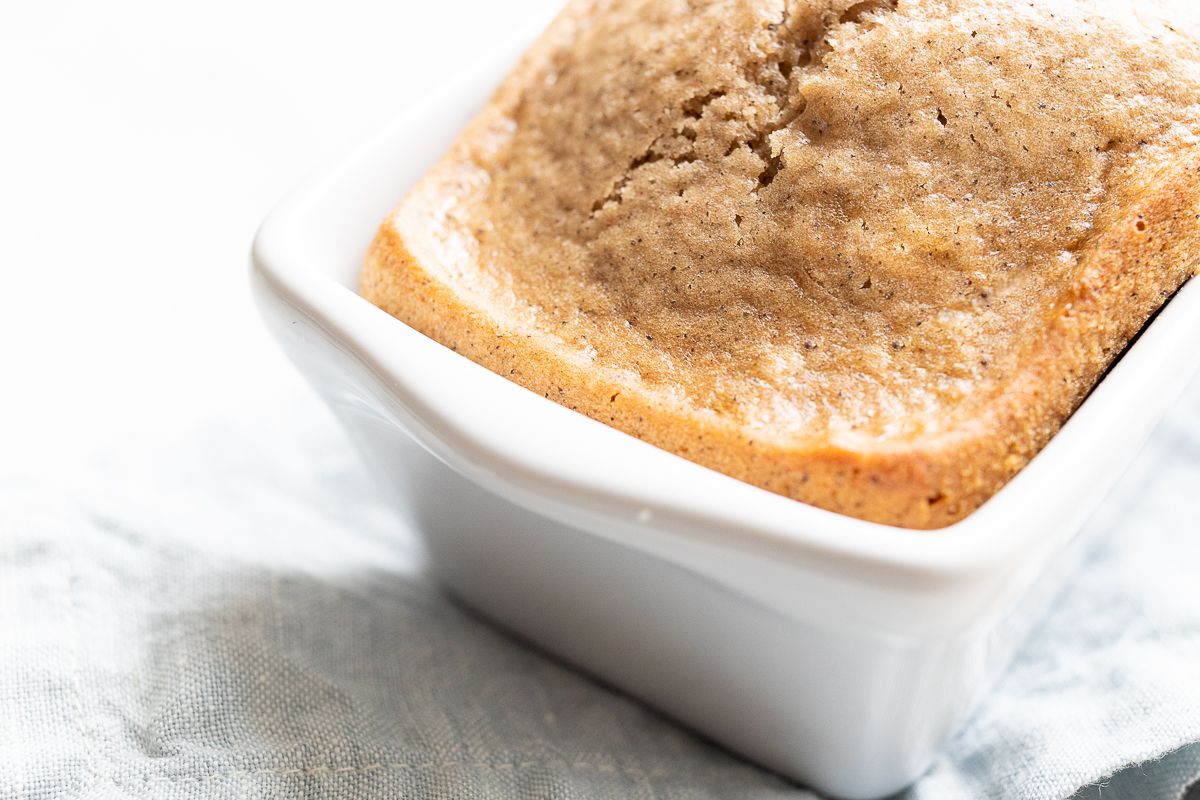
x: 869, y: 255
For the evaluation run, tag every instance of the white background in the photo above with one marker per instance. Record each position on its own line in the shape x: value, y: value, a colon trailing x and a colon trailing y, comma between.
x: 141, y: 143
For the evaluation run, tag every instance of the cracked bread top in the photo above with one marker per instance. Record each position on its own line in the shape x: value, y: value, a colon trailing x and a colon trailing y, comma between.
x: 869, y: 255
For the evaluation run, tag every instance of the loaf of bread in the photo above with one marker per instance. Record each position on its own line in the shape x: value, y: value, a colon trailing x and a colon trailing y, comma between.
x: 868, y: 255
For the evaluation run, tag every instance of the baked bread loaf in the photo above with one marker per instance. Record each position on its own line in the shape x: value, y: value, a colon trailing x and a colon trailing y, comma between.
x: 868, y: 255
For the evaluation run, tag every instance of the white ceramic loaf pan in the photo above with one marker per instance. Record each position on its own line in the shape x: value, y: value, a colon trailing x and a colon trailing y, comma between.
x: 839, y: 652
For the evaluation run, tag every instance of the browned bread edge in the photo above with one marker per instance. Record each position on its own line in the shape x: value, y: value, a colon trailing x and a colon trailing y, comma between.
x: 1125, y: 275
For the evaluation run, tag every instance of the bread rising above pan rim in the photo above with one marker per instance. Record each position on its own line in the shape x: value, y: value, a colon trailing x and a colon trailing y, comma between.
x: 1127, y: 273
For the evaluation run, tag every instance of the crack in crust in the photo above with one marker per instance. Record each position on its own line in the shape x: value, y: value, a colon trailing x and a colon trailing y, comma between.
x: 691, y: 109
x: 799, y: 55
x: 799, y: 51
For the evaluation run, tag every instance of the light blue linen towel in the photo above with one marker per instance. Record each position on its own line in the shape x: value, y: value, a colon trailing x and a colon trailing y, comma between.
x: 235, y: 613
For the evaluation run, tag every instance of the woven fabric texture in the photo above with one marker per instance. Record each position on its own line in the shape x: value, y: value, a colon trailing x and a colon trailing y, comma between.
x: 235, y: 613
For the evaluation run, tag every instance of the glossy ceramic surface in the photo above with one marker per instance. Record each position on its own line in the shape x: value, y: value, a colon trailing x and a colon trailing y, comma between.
x: 840, y: 652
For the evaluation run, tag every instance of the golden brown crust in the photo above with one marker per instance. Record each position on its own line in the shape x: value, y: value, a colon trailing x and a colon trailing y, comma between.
x: 1133, y: 269
x: 1141, y: 242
